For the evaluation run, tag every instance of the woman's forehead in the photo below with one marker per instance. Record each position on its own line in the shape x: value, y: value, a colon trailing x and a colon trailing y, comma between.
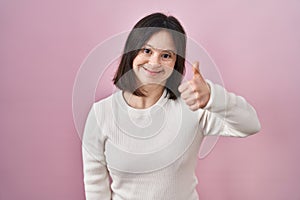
x: 162, y: 40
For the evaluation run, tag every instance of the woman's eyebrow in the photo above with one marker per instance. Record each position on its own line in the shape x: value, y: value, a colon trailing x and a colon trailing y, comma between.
x: 160, y: 49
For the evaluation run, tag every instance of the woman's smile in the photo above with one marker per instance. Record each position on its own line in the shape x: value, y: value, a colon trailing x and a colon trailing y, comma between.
x: 151, y: 71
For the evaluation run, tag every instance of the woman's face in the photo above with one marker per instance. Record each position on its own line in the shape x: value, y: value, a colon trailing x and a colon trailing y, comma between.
x: 155, y: 61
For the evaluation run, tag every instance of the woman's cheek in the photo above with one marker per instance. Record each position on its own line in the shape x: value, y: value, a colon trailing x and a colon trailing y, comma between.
x: 170, y: 68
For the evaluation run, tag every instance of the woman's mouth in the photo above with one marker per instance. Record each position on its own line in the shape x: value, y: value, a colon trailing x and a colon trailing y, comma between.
x: 152, y: 72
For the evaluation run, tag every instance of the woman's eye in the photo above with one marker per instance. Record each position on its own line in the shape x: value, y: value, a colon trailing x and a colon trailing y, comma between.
x: 145, y: 50
x: 166, y: 55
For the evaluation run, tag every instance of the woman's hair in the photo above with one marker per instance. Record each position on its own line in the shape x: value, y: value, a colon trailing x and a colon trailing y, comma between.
x: 138, y: 36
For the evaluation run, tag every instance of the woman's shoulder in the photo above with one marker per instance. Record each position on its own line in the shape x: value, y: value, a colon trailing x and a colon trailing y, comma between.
x: 106, y: 100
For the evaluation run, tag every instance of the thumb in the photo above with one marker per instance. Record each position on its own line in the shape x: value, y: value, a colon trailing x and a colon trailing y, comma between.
x: 196, y: 69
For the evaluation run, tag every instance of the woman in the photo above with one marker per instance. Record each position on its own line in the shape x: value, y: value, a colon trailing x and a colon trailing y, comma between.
x: 146, y: 136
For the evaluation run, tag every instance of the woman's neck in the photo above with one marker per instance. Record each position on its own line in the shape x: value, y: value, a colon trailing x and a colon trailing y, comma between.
x: 152, y: 92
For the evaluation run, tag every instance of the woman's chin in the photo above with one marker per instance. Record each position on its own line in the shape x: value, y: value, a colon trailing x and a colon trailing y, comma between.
x: 149, y: 82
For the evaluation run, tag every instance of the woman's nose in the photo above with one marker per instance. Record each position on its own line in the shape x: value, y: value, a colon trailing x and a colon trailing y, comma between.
x: 154, y: 59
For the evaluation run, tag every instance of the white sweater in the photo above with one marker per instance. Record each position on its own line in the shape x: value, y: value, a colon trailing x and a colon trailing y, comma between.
x: 151, y: 154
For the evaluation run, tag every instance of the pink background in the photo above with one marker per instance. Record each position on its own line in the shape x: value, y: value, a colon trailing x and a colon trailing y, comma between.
x: 255, y: 44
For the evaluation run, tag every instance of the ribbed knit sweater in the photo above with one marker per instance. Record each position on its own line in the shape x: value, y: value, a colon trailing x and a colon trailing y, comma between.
x: 151, y: 154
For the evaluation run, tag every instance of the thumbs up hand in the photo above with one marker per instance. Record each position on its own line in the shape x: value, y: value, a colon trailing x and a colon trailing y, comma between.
x: 195, y: 92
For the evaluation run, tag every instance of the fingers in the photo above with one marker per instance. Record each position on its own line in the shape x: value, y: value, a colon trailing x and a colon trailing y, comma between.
x: 184, y: 86
x: 195, y: 106
x: 186, y: 94
x: 197, y: 73
x: 196, y: 69
x: 194, y: 99
x: 195, y: 92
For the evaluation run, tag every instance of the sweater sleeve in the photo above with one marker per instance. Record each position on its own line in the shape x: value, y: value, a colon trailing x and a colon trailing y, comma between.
x: 96, y: 178
x: 228, y: 114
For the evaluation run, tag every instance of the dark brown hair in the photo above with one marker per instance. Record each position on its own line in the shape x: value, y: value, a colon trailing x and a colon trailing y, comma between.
x: 138, y: 36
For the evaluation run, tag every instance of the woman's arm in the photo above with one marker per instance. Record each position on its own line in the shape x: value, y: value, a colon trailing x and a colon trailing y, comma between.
x: 228, y: 114
x: 96, y: 179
